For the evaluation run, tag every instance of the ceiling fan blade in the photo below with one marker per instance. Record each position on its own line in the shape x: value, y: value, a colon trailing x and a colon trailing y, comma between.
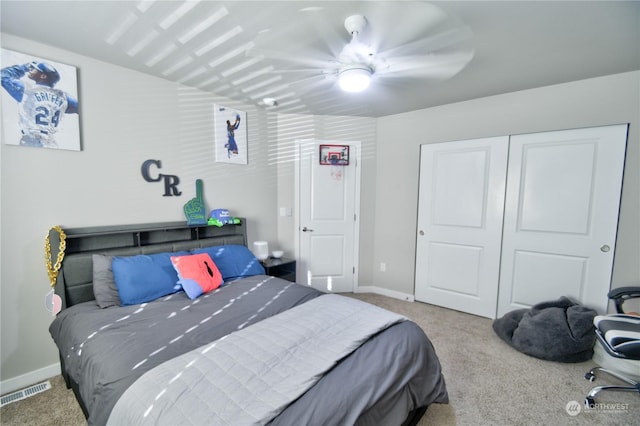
x: 436, y: 67
x: 392, y: 24
x: 313, y: 83
x: 329, y: 33
x: 438, y: 57
x: 311, y: 39
x: 288, y: 58
x: 451, y: 39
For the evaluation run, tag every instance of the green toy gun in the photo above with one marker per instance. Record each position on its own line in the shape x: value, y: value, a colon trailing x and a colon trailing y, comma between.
x: 220, y: 217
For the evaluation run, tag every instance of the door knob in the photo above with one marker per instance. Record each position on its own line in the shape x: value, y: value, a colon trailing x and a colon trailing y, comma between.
x: 305, y: 229
x: 421, y: 232
x: 605, y: 248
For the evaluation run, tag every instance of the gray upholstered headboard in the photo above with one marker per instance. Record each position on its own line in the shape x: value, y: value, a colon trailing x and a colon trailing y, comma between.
x: 75, y: 279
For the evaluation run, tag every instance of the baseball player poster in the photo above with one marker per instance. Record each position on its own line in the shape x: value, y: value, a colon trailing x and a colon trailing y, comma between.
x: 39, y: 102
x: 230, y: 135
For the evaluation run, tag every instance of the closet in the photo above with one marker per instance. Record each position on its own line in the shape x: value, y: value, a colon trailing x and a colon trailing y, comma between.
x: 507, y: 222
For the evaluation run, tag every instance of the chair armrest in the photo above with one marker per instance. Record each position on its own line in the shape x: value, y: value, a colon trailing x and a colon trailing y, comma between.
x: 621, y: 294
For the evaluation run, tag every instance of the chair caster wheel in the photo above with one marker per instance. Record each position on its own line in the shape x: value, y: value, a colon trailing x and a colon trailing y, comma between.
x: 589, y: 402
x: 590, y: 376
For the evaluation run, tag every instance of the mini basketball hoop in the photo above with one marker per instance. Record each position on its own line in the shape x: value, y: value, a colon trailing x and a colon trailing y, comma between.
x: 334, y: 155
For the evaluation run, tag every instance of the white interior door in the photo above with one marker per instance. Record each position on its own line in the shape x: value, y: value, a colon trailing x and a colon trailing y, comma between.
x: 328, y: 199
x: 561, y: 216
x: 461, y: 201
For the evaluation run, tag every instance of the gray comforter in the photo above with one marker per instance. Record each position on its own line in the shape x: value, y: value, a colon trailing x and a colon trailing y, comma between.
x: 256, y: 372
x: 107, y: 350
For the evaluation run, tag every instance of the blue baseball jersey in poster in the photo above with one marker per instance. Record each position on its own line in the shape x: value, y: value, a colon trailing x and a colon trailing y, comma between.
x: 231, y: 145
x: 41, y: 107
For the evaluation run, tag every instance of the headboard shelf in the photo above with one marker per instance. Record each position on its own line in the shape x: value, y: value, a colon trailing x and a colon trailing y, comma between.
x: 120, y: 236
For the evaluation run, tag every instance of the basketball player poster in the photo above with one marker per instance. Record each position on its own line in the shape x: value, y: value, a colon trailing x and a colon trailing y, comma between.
x: 230, y: 135
x: 39, y: 102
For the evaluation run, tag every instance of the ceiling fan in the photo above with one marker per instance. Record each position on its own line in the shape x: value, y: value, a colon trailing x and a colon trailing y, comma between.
x: 389, y: 43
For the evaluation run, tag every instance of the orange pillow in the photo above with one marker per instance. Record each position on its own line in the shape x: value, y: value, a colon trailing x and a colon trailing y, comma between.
x: 197, y: 274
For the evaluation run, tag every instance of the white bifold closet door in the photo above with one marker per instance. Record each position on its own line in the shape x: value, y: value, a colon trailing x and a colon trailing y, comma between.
x: 461, y: 202
x: 508, y: 222
x: 561, y: 216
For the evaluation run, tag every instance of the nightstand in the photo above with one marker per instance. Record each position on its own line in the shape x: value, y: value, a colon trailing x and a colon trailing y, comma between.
x: 282, y: 268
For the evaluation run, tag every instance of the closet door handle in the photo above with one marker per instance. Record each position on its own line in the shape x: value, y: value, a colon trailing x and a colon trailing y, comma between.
x: 605, y: 248
x: 305, y: 229
x: 421, y: 232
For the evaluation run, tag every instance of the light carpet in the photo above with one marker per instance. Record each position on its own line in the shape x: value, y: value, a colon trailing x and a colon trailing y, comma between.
x: 489, y: 382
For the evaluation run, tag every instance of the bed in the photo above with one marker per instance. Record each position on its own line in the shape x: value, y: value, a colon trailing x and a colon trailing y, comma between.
x: 255, y: 350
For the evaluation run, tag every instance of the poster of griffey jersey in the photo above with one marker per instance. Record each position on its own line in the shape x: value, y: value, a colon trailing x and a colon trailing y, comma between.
x: 39, y: 102
x: 230, y: 135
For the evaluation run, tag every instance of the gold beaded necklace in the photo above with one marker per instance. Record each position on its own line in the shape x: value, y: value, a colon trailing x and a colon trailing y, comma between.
x: 52, y: 269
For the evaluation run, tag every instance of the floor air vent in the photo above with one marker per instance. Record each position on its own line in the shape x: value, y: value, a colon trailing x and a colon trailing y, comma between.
x: 25, y: 393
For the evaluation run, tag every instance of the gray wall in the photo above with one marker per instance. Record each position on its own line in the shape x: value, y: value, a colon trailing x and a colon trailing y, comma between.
x: 600, y: 101
x: 126, y: 118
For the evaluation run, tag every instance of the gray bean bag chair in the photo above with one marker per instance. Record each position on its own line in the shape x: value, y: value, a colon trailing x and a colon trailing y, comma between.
x: 560, y: 330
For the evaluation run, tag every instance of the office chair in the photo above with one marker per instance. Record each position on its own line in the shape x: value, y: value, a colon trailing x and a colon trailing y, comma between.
x: 619, y: 336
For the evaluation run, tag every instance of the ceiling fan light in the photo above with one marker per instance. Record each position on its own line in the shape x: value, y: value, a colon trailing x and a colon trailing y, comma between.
x: 354, y: 78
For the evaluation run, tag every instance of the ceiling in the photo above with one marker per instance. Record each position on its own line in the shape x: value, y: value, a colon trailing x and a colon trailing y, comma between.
x: 517, y: 45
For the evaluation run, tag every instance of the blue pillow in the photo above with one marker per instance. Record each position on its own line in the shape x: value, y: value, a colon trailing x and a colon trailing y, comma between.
x: 233, y: 261
x: 144, y: 278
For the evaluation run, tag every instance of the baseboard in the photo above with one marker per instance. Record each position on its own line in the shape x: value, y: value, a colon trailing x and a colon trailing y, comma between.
x: 385, y: 292
x: 20, y: 382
